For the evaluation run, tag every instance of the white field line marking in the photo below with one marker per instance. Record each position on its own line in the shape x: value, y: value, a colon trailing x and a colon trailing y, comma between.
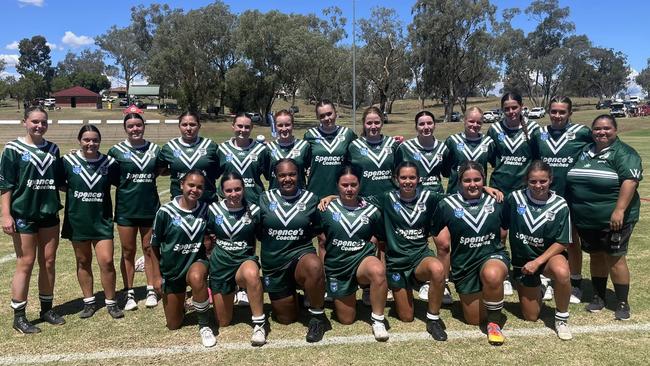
x: 160, y: 194
x: 8, y: 258
x: 283, y: 344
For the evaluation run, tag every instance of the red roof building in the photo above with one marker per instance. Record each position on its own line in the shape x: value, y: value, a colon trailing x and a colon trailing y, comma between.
x: 77, y: 97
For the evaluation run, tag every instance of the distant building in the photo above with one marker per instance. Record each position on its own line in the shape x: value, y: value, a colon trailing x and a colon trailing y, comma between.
x: 77, y: 97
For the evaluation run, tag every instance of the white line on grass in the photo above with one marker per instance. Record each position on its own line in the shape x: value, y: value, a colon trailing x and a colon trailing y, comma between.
x: 327, y: 341
x: 8, y: 258
x: 160, y: 194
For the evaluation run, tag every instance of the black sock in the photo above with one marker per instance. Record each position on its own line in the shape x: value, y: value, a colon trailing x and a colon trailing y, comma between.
x: 600, y: 286
x: 202, y: 313
x: 576, y: 282
x: 19, y: 307
x: 621, y: 292
x: 494, y: 311
x: 46, y: 302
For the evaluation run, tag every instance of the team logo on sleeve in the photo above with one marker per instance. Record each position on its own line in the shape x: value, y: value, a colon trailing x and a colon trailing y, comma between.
x: 502, y: 136
x: 26, y: 156
x: 397, y: 206
x: 273, y: 206
x: 21, y: 223
x: 521, y: 209
x: 363, y: 151
x: 76, y: 169
x: 127, y: 155
x: 336, y: 216
x: 544, y: 136
x: 550, y: 215
x: 218, y: 219
x: 459, y: 212
x: 417, y: 156
x: 103, y: 170
x: 176, y: 221
x: 177, y: 153
x: 488, y: 208
x: 460, y: 146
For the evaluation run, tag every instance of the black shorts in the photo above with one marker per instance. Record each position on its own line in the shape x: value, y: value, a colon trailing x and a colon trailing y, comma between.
x: 597, y: 241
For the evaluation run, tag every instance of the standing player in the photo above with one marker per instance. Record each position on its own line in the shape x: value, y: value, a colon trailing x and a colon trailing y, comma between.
x: 479, y: 262
x: 349, y: 224
x: 288, y: 146
x: 233, y: 262
x: 539, y: 231
x: 136, y: 201
x: 88, y: 220
x: 559, y: 145
x: 425, y: 151
x: 190, y: 151
x: 179, y: 255
x: 289, y: 220
x: 29, y: 176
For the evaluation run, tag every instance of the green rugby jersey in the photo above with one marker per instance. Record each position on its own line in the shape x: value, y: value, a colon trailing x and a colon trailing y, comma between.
x: 475, y: 229
x: 180, y: 158
x: 287, y: 227
x: 179, y: 234
x: 235, y: 232
x: 88, y: 206
x: 534, y: 225
x: 594, y: 182
x: 348, y: 232
x: 461, y: 149
x: 512, y: 155
x: 32, y: 174
x: 560, y: 149
x: 298, y: 150
x: 375, y: 162
x: 429, y: 162
x: 407, y: 227
x: 136, y: 196
x: 251, y: 162
x: 328, y: 152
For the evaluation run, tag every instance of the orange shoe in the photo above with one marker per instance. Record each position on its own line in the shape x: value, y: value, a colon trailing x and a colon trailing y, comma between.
x: 495, y: 337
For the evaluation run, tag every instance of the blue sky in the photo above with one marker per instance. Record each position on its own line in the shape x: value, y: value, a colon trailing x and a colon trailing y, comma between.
x: 72, y: 24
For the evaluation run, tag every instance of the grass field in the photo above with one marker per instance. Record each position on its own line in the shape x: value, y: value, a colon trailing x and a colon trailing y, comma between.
x: 141, y: 337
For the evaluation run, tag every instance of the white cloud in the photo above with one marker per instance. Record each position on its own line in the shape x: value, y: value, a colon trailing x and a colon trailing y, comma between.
x: 10, y: 60
x: 75, y: 41
x: 632, y: 88
x: 53, y: 46
x: 12, y: 46
x: 38, y: 3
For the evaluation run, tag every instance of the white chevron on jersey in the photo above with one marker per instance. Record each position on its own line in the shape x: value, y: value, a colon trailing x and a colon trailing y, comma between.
x: 191, y: 160
x: 90, y: 179
x: 475, y: 222
x: 554, y: 204
x: 278, y: 153
x: 231, y: 229
x: 410, y: 216
x: 141, y: 162
x: 190, y: 229
x: 414, y: 147
x: 557, y: 145
x: 228, y: 148
x: 41, y: 165
x: 514, y: 143
x: 286, y: 216
x: 336, y: 141
x: 351, y: 228
x: 384, y: 150
x: 467, y: 149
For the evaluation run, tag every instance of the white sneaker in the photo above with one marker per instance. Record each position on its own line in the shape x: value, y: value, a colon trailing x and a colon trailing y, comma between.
x: 259, y: 336
x: 241, y: 298
x: 389, y: 296
x: 576, y: 295
x: 379, y: 331
x: 131, y: 304
x: 139, y: 264
x: 365, y: 296
x: 152, y: 300
x: 507, y: 288
x: 207, y: 337
x: 562, y: 330
x: 423, y: 294
x: 446, y: 296
x: 548, y: 292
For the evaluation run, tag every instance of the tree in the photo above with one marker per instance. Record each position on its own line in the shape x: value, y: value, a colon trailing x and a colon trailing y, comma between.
x: 384, y: 54
x: 609, y: 71
x: 30, y: 85
x: 87, y: 61
x: 35, y: 61
x: 121, y: 45
x: 643, y: 78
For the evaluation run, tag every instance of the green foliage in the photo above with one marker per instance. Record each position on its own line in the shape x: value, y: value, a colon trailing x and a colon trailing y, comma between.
x: 643, y: 78
x: 90, y: 81
x: 87, y: 61
x: 122, y: 46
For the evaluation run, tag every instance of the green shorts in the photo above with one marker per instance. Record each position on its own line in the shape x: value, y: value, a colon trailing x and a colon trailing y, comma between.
x: 471, y: 283
x: 178, y: 285
x: 123, y: 221
x: 282, y: 282
x: 222, y: 280
x: 26, y: 226
x: 405, y: 279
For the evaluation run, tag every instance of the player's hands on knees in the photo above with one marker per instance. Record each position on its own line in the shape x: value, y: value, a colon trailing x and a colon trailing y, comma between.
x: 530, y: 268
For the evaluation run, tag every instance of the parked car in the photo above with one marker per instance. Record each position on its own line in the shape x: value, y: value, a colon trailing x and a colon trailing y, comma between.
x: 456, y: 117
x: 254, y: 116
x: 124, y: 102
x: 294, y: 109
x: 604, y: 104
x: 490, y: 117
x: 537, y: 112
x: 618, y: 110
x: 49, y: 102
x: 635, y: 99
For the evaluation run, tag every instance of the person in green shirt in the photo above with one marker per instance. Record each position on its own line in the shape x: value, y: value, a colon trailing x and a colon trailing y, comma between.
x: 604, y: 202
x: 88, y: 220
x: 136, y: 201
x: 539, y: 227
x: 30, y: 175
x: 288, y: 146
x: 179, y: 255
